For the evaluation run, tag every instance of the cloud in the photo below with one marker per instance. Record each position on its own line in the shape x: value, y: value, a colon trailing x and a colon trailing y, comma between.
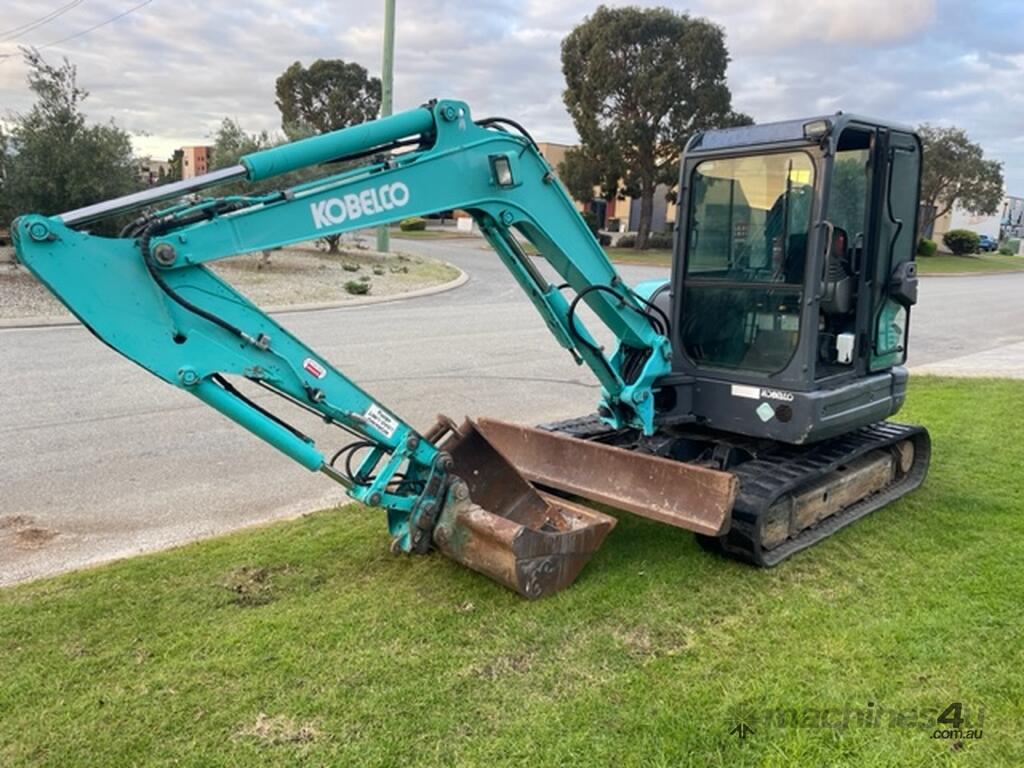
x: 173, y: 70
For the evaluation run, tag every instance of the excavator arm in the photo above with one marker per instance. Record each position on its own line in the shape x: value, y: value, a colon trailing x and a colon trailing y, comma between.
x: 148, y: 295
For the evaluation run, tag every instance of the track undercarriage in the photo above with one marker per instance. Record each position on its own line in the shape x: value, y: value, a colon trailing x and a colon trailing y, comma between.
x: 789, y: 497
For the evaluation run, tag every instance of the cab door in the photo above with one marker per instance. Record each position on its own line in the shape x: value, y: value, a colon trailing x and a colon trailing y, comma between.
x: 894, y: 279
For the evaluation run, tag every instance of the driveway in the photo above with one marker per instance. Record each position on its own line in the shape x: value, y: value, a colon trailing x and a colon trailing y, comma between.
x: 99, y: 460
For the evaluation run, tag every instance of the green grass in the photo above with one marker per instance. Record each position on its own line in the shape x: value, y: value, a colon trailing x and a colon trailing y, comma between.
x: 649, y: 258
x: 426, y: 234
x: 305, y: 643
x: 945, y: 263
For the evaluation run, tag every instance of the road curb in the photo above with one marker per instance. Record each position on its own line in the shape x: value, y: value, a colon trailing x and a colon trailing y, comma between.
x: 986, y: 273
x: 451, y: 285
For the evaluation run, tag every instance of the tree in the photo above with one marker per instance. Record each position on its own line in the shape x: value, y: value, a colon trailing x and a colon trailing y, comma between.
x: 642, y: 81
x: 581, y: 171
x: 53, y: 160
x: 174, y: 165
x: 331, y: 94
x: 955, y: 172
x: 231, y: 142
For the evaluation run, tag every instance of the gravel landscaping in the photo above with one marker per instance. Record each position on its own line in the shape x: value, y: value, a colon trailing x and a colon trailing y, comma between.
x: 300, y: 275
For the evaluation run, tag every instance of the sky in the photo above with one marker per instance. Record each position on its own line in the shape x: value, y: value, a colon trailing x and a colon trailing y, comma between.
x: 171, y: 70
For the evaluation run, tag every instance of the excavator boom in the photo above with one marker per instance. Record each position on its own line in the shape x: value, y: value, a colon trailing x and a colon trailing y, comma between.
x: 148, y: 295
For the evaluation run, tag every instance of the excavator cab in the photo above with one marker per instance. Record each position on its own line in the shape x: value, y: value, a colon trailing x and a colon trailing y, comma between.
x: 798, y: 238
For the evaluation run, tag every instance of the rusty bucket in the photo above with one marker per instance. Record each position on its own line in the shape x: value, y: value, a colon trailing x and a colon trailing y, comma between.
x: 496, y: 523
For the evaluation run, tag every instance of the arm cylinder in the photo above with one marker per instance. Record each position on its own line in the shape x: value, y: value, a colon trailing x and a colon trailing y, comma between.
x: 329, y: 146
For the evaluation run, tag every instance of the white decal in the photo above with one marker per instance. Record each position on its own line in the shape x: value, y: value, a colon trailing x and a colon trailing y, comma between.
x: 381, y: 420
x: 352, y: 206
x: 777, y: 394
x: 742, y: 390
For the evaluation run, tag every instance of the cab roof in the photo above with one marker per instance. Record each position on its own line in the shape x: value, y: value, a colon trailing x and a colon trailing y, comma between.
x: 783, y: 132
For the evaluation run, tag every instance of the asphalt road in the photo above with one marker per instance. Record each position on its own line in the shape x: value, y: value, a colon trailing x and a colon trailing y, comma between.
x: 99, y: 460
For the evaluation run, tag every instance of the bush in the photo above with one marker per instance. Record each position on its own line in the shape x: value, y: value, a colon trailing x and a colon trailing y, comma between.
x: 660, y: 240
x: 592, y: 222
x: 357, y: 288
x: 412, y: 224
x: 1010, y: 247
x: 604, y: 240
x: 626, y: 241
x: 927, y: 247
x: 348, y: 266
x: 961, y: 241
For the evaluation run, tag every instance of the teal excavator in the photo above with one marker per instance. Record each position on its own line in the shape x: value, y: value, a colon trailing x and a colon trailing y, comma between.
x: 745, y: 399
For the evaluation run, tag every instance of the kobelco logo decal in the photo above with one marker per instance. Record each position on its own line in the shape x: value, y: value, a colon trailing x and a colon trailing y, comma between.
x: 337, y: 210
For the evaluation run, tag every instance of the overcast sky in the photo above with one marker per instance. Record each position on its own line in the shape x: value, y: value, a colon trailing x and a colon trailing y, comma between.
x: 172, y: 69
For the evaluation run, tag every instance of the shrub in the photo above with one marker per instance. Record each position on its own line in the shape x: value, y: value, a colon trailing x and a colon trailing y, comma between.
x: 413, y: 224
x: 604, y: 240
x: 961, y: 241
x: 1010, y: 247
x: 659, y: 240
x: 378, y: 270
x: 626, y: 241
x: 350, y: 267
x: 357, y: 288
x: 927, y: 247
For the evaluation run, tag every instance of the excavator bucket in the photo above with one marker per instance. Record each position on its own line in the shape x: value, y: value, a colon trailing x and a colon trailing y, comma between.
x: 496, y: 522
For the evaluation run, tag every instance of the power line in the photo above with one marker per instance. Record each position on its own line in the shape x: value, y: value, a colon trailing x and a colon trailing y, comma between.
x: 111, y: 20
x: 41, y: 21
x: 86, y: 31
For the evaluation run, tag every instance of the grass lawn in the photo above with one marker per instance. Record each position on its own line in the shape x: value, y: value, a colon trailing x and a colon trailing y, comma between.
x: 426, y: 234
x: 306, y: 643
x: 945, y: 263
x: 650, y: 258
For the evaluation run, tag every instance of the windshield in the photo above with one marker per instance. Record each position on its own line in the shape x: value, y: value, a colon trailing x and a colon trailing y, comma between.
x: 749, y: 221
x: 750, y: 217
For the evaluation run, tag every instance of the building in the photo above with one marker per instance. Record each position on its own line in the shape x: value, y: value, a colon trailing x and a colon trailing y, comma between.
x: 621, y: 214
x: 195, y: 161
x: 1007, y: 221
x: 152, y: 171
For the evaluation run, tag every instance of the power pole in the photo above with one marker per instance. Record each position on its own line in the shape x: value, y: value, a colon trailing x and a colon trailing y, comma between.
x: 387, y: 77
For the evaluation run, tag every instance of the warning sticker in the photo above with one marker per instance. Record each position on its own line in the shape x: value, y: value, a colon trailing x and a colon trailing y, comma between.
x: 381, y: 420
x: 765, y: 412
x: 314, y: 368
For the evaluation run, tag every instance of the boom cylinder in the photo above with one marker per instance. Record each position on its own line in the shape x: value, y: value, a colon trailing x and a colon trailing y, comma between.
x: 329, y: 146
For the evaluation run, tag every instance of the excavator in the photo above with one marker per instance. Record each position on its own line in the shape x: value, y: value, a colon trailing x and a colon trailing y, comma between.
x: 745, y: 399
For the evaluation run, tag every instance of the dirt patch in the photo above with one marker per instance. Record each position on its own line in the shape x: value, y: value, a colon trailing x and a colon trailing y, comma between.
x: 644, y: 643
x: 33, y: 538
x: 24, y: 532
x: 277, y: 730
x: 298, y: 275
x: 252, y: 586
x: 502, y: 666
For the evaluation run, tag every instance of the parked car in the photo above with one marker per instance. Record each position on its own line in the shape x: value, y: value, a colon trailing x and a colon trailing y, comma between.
x: 987, y: 244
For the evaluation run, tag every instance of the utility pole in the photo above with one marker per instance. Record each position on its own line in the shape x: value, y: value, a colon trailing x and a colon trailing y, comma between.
x: 387, y: 77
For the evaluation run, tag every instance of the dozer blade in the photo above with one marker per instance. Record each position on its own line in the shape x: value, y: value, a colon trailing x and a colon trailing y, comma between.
x: 679, y: 494
x: 496, y: 523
